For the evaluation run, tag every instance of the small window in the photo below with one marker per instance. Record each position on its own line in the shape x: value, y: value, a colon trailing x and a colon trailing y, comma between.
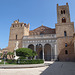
x: 16, y: 37
x: 61, y: 12
x: 66, y: 52
x: 21, y: 25
x: 13, y: 25
x: 65, y: 34
x: 65, y: 44
x: 63, y: 20
x: 64, y: 11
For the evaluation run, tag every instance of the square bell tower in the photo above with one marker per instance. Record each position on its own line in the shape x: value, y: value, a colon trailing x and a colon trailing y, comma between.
x: 64, y: 32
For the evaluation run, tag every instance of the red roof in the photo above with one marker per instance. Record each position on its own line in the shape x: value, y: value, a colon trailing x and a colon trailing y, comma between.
x: 43, y: 30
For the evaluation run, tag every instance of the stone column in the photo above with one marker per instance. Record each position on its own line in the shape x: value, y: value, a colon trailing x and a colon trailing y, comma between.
x: 51, y: 53
x: 35, y: 49
x: 55, y: 52
x: 23, y: 44
x: 43, y: 51
x: 74, y: 46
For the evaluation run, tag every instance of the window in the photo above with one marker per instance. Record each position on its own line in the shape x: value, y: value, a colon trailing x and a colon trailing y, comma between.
x: 21, y: 25
x: 65, y: 34
x: 66, y: 52
x: 41, y: 33
x: 13, y: 25
x: 65, y: 44
x: 62, y: 11
x: 16, y: 37
x: 63, y: 20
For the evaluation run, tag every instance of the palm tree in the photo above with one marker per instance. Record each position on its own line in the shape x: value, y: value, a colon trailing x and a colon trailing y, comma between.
x: 1, y: 54
x: 9, y: 53
x: 12, y: 53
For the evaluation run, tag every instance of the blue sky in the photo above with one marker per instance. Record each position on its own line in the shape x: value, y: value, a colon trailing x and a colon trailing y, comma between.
x: 35, y: 12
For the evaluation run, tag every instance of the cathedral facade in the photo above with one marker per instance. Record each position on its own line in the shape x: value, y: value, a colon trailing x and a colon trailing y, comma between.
x: 50, y: 44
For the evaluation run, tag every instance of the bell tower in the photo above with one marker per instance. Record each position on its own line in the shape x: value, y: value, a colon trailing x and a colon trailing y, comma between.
x: 64, y: 31
x: 17, y: 31
x: 63, y: 14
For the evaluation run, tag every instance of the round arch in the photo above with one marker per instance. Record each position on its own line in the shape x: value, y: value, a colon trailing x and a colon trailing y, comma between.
x: 39, y: 51
x: 63, y: 20
x: 31, y: 46
x: 47, y: 52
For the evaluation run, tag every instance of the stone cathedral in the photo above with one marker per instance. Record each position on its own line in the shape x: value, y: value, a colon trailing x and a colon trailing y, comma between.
x: 50, y: 44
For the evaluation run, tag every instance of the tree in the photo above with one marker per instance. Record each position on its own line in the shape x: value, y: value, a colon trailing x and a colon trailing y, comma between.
x: 10, y: 54
x: 1, y: 54
x: 25, y: 52
x: 34, y: 54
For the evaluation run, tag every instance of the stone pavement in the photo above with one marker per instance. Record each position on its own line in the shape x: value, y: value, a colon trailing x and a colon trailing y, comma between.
x: 60, y: 68
x: 57, y: 68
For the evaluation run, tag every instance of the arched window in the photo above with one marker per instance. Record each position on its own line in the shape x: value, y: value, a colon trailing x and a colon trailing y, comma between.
x: 16, y: 37
x: 64, y: 11
x: 61, y: 12
x: 65, y: 33
x: 66, y: 52
x: 65, y: 44
x: 63, y: 20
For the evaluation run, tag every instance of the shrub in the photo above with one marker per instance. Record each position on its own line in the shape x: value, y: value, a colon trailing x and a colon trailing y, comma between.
x: 9, y: 61
x: 2, y: 62
x: 25, y: 52
x: 23, y: 61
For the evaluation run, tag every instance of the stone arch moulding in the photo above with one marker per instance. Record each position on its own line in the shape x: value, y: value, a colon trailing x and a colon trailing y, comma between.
x: 31, y: 46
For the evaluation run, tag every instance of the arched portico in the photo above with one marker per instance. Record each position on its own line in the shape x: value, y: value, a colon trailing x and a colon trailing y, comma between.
x: 47, y: 52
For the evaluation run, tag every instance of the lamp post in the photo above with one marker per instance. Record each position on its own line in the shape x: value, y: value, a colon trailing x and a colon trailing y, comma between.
x: 5, y: 56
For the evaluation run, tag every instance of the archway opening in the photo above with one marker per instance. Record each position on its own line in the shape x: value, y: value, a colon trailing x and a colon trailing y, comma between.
x: 47, y: 52
x: 63, y: 20
x: 31, y: 46
x: 39, y: 51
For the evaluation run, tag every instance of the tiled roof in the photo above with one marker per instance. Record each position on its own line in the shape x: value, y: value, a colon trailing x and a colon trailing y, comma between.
x: 43, y: 30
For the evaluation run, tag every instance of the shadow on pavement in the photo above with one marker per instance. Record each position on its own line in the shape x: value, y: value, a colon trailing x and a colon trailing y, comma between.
x: 60, y: 68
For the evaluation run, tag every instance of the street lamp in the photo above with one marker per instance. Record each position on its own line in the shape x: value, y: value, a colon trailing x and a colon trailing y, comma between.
x: 5, y: 56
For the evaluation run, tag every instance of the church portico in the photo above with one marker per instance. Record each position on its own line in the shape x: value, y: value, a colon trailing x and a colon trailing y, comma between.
x: 45, y: 47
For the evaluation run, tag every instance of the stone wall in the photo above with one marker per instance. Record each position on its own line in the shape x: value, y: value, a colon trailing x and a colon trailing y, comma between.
x: 17, y: 31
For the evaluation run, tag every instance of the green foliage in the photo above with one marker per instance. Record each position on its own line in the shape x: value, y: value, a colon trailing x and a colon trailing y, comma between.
x: 2, y: 62
x: 10, y: 54
x: 21, y: 61
x: 1, y: 54
x: 9, y: 61
x: 25, y: 52
x: 21, y: 57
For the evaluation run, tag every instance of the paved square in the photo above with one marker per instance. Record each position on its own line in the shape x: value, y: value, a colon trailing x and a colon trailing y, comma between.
x: 57, y: 68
